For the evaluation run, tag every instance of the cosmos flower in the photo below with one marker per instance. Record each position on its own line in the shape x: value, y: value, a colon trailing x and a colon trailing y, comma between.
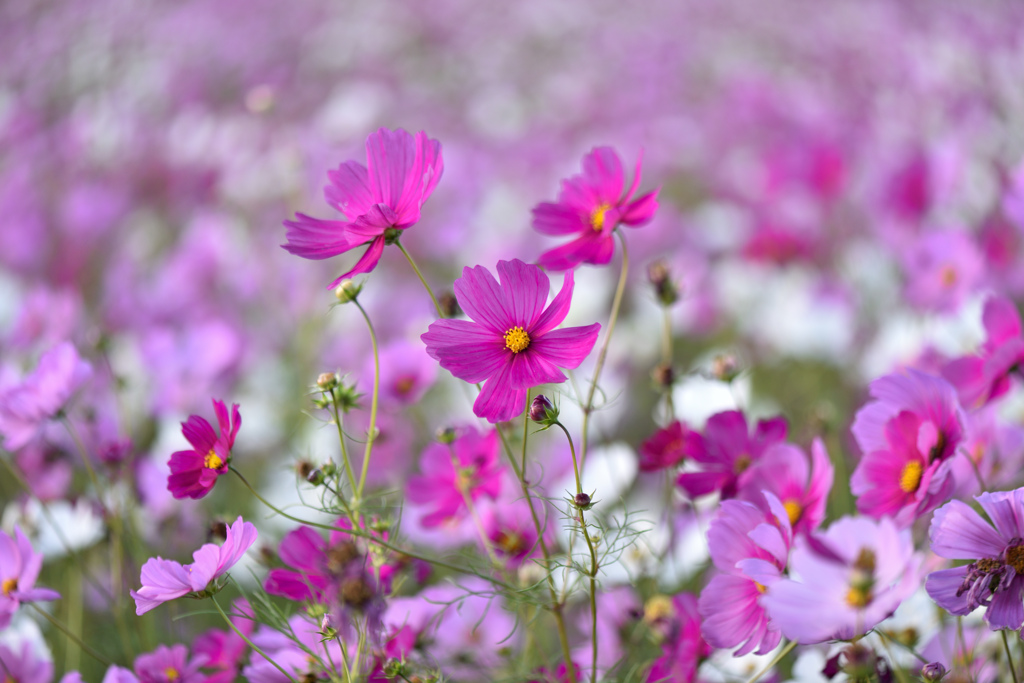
x: 164, y: 580
x: 995, y: 577
x: 511, y: 344
x: 25, y: 666
x: 666, y: 448
x: 169, y: 665
x: 803, y: 490
x: 19, y: 568
x: 592, y: 205
x: 194, y: 472
x: 378, y: 200
x: 986, y: 376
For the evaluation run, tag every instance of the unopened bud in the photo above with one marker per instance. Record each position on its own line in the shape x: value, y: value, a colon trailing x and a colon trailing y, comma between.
x: 446, y: 435
x: 218, y: 531
x: 347, y: 291
x: 449, y: 305
x: 327, y: 381
x: 725, y: 367
x: 660, y: 278
x: 316, y: 477
x: 542, y: 412
x: 582, y: 500
x: 327, y: 628
x: 663, y: 375
x: 933, y: 672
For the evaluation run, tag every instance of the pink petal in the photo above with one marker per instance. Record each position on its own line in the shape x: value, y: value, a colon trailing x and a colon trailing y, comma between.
x: 481, y: 297
x: 593, y: 247
x: 640, y: 211
x: 366, y: 263
x: 567, y: 347
x: 602, y: 170
x: 559, y: 219
x: 199, y: 433
x: 349, y: 189
x: 556, y: 311
x: 466, y: 349
x: 498, y: 401
x: 525, y: 288
x: 317, y: 239
x: 957, y: 532
x: 530, y: 368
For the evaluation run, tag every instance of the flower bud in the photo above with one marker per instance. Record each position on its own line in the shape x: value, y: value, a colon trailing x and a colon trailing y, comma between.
x: 542, y: 412
x: 725, y: 367
x: 327, y: 628
x: 659, y: 277
x: 347, y: 291
x: 315, y: 477
x: 933, y: 672
x: 449, y: 305
x: 218, y: 530
x: 663, y: 375
x: 304, y: 468
x: 581, y: 500
x: 446, y: 435
x: 327, y: 381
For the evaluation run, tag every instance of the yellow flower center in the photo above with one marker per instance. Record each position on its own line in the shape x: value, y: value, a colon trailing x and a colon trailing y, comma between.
x: 742, y: 463
x: 597, y: 217
x: 858, y: 597
x: 9, y: 586
x: 516, y: 339
x: 948, y: 276
x: 760, y: 587
x: 510, y: 542
x: 794, y: 510
x: 658, y: 607
x: 213, y: 461
x: 171, y: 673
x: 910, y: 477
x: 1015, y: 558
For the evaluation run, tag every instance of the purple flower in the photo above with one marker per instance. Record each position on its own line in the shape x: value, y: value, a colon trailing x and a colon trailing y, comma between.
x: 784, y: 472
x: 592, y: 205
x: 169, y: 665
x: 986, y: 376
x: 851, y: 577
x: 908, y: 434
x: 194, y: 472
x: 164, y: 580
x: 26, y: 405
x: 452, y: 473
x: 995, y: 577
x: 25, y: 666
x: 377, y: 200
x: 512, y: 345
x: 726, y: 451
x: 943, y: 268
x: 19, y: 568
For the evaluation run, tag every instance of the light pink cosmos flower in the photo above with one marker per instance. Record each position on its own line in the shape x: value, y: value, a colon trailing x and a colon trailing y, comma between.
x: 164, y: 580
x: 803, y: 490
x: 19, y: 568
x: 169, y: 665
x: 511, y: 344
x: 592, y: 205
x: 25, y: 666
x: 194, y: 472
x: 378, y: 200
x: 986, y: 376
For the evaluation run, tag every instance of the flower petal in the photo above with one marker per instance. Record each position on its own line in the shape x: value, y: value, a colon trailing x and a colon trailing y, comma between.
x: 349, y: 189
x: 525, y: 288
x: 366, y: 263
x: 556, y: 311
x: 481, y: 297
x: 592, y: 247
x: 498, y: 401
x: 957, y: 532
x: 558, y: 219
x: 467, y: 350
x: 317, y: 239
x: 568, y: 346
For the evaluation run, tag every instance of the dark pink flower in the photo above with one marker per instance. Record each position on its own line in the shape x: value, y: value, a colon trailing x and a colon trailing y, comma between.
x: 511, y: 344
x: 164, y: 580
x: 725, y: 452
x: 684, y: 647
x: 986, y: 376
x: 592, y: 205
x: 194, y: 472
x: 378, y: 199
x: 511, y: 532
x: 466, y: 468
x: 19, y: 568
x: 667, y: 447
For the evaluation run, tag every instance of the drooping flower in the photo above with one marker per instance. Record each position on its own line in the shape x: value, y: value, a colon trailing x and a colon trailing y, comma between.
x: 169, y: 665
x: 510, y: 344
x: 26, y: 404
x: 851, y: 577
x: 985, y: 376
x: 164, y: 580
x: 667, y: 447
x: 803, y: 490
x: 378, y: 200
x: 466, y: 468
x: 995, y: 577
x: 592, y: 205
x: 908, y: 435
x: 725, y: 452
x: 194, y: 472
x: 19, y: 568
x: 750, y: 549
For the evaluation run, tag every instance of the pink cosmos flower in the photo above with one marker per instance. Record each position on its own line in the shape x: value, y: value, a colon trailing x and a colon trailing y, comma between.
x: 684, y: 648
x: 986, y: 376
x: 466, y: 468
x: 194, y: 472
x: 592, y: 205
x: 27, y: 404
x: 995, y: 577
x: 851, y: 577
x: 164, y: 580
x: 25, y: 666
x: 169, y: 665
x: 803, y: 490
x: 510, y: 529
x: 378, y: 200
x: 725, y: 452
x: 19, y: 568
x: 511, y: 345
x: 750, y: 548
x: 908, y: 435
x: 667, y: 447
x: 943, y: 268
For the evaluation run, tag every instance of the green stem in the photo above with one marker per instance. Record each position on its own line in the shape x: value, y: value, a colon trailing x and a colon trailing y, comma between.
x: 666, y: 359
x: 249, y: 642
x: 1009, y: 657
x: 613, y: 317
x: 344, y: 659
x: 775, y: 660
x: 371, y: 434
x: 408, y: 257
x: 72, y: 637
x: 341, y: 440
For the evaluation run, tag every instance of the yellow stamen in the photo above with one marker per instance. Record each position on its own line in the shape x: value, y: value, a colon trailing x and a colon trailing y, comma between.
x: 658, y: 607
x: 171, y: 674
x: 910, y: 477
x: 516, y: 339
x: 948, y: 276
x: 1015, y: 558
x: 510, y: 543
x: 597, y: 217
x: 8, y: 586
x: 859, y: 597
x: 213, y: 461
x: 794, y: 510
x: 760, y: 587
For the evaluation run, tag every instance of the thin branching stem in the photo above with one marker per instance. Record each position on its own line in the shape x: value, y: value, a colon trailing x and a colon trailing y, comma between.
x: 372, y: 432
x: 408, y: 257
x: 249, y: 642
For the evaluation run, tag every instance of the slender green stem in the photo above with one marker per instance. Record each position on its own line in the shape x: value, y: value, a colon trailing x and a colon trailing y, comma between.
x: 408, y: 257
x: 666, y: 359
x: 341, y: 440
x: 249, y: 642
x: 906, y: 647
x: 974, y: 466
x: 775, y: 660
x: 1009, y: 657
x: 71, y: 636
x: 344, y: 659
x: 613, y: 318
x: 80, y: 445
x: 372, y: 433
x: 467, y: 498
x: 526, y: 427
x: 369, y: 537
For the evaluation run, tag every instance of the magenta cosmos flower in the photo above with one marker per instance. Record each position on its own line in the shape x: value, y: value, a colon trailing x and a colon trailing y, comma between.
x: 995, y: 577
x: 194, y: 472
x: 803, y: 490
x: 378, y: 200
x: 511, y: 344
x: 591, y: 206
x: 169, y: 665
x: 164, y: 580
x: 19, y: 568
x: 986, y: 376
